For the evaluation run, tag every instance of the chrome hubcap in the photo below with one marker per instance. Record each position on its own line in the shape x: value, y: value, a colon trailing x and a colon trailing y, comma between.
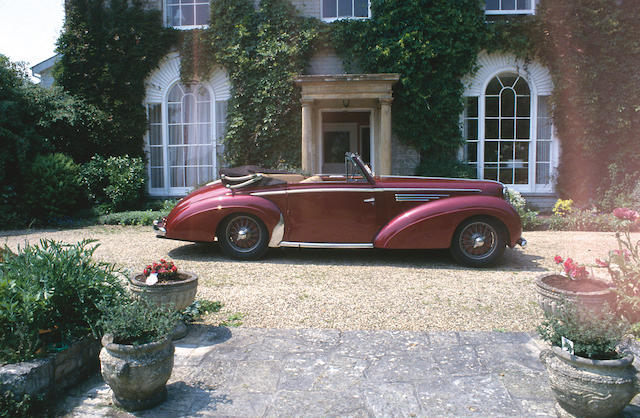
x: 242, y: 233
x: 478, y: 241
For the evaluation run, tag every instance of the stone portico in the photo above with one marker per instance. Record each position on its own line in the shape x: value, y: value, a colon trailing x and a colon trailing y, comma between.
x: 348, y: 95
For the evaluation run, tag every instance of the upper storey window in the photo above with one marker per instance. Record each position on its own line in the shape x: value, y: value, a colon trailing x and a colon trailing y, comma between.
x: 187, y: 14
x: 504, y: 7
x: 345, y: 9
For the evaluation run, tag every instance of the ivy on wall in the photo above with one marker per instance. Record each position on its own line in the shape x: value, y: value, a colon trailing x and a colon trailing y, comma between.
x: 108, y: 48
x: 432, y: 44
x: 263, y: 50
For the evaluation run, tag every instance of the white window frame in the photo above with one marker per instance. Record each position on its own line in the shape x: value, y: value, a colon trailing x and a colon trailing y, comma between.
x: 530, y: 11
x: 186, y: 27
x: 167, y: 190
x: 333, y: 19
x: 531, y: 186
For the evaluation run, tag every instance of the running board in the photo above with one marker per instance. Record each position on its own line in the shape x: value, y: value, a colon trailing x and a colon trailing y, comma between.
x: 324, y: 245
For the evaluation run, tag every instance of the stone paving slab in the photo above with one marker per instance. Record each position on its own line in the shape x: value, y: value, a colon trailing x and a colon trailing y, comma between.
x: 267, y: 373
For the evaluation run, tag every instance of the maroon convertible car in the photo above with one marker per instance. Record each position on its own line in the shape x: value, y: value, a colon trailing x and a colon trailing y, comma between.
x: 249, y: 213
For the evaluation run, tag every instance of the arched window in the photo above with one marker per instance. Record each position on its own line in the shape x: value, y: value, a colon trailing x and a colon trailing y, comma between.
x: 508, y: 134
x: 187, y: 155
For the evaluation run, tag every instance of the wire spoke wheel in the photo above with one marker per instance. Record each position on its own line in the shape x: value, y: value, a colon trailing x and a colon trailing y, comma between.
x: 478, y: 242
x: 243, y: 234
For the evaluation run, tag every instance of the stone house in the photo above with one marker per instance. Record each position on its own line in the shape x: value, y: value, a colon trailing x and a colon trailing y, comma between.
x: 506, y: 124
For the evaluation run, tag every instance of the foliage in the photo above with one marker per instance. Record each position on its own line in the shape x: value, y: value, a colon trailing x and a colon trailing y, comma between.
x: 432, y: 45
x: 593, y: 337
x: 529, y: 218
x: 108, y: 47
x: 25, y: 406
x: 136, y: 217
x: 563, y: 207
x: 623, y: 266
x: 53, y: 187
x: 165, y: 270
x: 199, y: 308
x: 263, y: 51
x: 583, y: 220
x: 592, y: 52
x: 52, y: 286
x: 115, y: 183
x: 137, y: 321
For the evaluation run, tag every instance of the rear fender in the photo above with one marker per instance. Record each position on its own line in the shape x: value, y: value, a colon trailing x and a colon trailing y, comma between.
x: 199, y: 221
x: 432, y: 225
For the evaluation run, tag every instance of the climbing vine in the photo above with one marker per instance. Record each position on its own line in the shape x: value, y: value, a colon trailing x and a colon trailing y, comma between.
x: 108, y: 48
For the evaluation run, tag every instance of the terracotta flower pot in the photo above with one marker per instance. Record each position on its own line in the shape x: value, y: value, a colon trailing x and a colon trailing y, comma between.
x: 589, y: 388
x: 137, y: 374
x: 589, y: 295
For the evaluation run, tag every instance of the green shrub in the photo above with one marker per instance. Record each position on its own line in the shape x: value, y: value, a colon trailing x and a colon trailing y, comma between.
x: 117, y: 183
x: 52, y: 286
x: 199, y: 308
x: 593, y: 337
x: 584, y: 220
x: 25, y: 406
x: 53, y: 187
x: 137, y: 321
x: 530, y: 219
x: 134, y: 217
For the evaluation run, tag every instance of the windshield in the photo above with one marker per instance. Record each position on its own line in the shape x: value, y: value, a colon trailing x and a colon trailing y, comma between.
x: 352, y: 169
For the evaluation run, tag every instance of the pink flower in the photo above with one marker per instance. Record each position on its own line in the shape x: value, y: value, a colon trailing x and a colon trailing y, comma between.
x: 558, y: 259
x: 626, y: 214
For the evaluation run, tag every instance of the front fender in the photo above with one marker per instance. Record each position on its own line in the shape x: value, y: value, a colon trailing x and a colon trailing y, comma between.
x: 432, y: 224
x: 199, y: 221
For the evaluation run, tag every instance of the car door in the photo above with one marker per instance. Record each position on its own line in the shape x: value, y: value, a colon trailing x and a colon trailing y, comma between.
x: 332, y: 212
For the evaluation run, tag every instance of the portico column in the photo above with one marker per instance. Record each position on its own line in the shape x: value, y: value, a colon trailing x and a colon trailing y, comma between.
x: 385, y: 137
x: 307, y: 135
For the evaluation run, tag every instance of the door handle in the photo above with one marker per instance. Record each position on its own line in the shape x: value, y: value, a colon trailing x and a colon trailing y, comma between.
x: 371, y: 200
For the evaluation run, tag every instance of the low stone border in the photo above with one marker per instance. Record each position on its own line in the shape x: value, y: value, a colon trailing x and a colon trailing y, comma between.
x: 52, y: 375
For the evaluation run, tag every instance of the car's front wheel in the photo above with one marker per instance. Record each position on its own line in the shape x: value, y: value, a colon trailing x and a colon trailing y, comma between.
x: 478, y: 242
x: 243, y: 236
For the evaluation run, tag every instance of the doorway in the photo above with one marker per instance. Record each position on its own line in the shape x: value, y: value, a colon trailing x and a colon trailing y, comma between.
x: 344, y: 132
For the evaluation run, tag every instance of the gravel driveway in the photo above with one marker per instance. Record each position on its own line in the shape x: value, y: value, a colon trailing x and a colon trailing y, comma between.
x: 351, y: 289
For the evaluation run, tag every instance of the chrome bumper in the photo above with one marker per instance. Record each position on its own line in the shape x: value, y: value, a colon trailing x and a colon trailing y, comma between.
x: 522, y: 242
x: 158, y: 227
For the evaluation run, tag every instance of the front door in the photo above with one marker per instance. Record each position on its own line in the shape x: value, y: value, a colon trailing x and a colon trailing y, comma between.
x: 337, y: 138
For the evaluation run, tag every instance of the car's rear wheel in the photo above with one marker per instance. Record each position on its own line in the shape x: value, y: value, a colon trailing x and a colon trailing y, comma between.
x: 243, y: 236
x: 478, y: 242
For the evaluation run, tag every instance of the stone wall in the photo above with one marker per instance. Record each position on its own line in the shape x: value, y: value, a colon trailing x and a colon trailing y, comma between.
x: 54, y: 374
x: 308, y: 8
x: 325, y: 61
x: 404, y: 159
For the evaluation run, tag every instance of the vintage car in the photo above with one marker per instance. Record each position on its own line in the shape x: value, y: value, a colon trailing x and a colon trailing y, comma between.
x: 250, y: 210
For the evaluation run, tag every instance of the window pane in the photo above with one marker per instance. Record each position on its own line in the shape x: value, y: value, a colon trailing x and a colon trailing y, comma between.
x: 176, y: 156
x: 155, y: 135
x: 494, y: 87
x: 177, y: 177
x: 344, y: 8
x: 471, y: 106
x: 491, y: 104
x: 491, y: 151
x: 491, y: 129
x: 506, y: 151
x: 156, y: 157
x: 506, y: 173
x: 173, y: 15
x: 471, y: 152
x: 522, y: 175
x: 543, y: 173
x: 508, y: 80
x: 523, y: 106
x: 205, y: 174
x: 522, y: 151
x: 521, y: 87
x: 204, y: 112
x: 157, y: 178
x: 189, y: 134
x: 187, y: 16
x: 471, y: 129
x: 189, y: 103
x: 490, y: 172
x: 192, y: 155
x: 175, y: 135
x: 508, y: 103
x: 361, y: 8
x: 493, y: 5
x: 508, y: 4
x: 507, y: 129
x: 205, y: 156
x: 524, y: 4
x: 175, y: 94
x: 175, y: 111
x: 522, y: 129
x: 544, y: 128
x: 155, y: 113
x: 543, y: 107
x: 329, y: 8
x: 543, y: 151
x: 192, y: 176
x: 202, y: 14
x: 204, y: 133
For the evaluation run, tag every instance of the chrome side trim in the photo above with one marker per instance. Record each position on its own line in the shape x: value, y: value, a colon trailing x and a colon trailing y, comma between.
x: 277, y: 233
x: 365, y: 190
x: 325, y: 245
x: 404, y: 197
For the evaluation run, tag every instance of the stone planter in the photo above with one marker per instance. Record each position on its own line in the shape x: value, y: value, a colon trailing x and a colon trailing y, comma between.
x: 589, y: 388
x: 138, y: 374
x: 179, y: 293
x: 551, y: 297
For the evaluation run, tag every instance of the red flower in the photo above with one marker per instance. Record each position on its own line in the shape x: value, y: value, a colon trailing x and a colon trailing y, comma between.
x: 626, y: 214
x: 558, y: 259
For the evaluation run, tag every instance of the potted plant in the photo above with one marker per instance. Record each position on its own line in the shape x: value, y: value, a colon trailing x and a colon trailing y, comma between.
x: 588, y: 376
x: 136, y: 359
x: 574, y: 286
x: 163, y: 284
